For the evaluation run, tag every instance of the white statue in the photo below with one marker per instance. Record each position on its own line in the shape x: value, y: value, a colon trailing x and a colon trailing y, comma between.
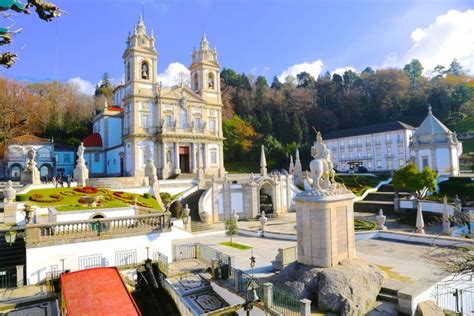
x: 31, y: 173
x: 381, y: 220
x: 321, y: 166
x: 81, y: 173
x: 150, y: 169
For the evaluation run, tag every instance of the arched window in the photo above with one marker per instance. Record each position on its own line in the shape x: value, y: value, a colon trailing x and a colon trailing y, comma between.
x: 145, y: 70
x: 127, y: 69
x: 196, y: 82
x: 210, y: 80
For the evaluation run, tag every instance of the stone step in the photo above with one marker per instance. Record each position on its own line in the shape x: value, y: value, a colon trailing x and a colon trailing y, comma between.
x: 387, y: 298
x: 199, y: 226
x: 373, y: 206
x: 386, y: 188
x: 389, y: 291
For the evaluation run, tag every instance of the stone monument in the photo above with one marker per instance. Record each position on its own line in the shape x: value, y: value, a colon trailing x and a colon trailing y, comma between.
x: 150, y: 169
x: 31, y: 175
x: 381, y: 220
x: 446, y: 222
x: 420, y: 223
x: 81, y: 173
x: 9, y: 193
x: 324, y: 215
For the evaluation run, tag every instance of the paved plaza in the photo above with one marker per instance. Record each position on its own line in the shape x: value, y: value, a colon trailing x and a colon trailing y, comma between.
x: 405, y: 262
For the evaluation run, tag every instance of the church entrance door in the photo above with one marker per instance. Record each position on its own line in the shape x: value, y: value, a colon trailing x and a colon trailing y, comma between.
x: 184, y: 161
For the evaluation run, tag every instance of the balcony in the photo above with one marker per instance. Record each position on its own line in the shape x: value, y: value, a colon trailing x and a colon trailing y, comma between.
x: 40, y: 235
x: 388, y: 142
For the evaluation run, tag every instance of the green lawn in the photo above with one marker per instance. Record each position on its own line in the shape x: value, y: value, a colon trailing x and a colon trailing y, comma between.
x: 235, y: 245
x: 66, y: 199
x: 358, y: 184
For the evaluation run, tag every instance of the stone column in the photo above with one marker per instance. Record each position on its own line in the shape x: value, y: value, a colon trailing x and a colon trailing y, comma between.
x: 177, y: 170
x: 206, y: 159
x: 227, y: 199
x: 164, y: 163
x: 20, y: 280
x: 215, y: 201
x: 305, y: 307
x: 267, y: 295
x: 325, y: 227
x: 193, y: 158
x: 221, y: 161
x: 289, y: 180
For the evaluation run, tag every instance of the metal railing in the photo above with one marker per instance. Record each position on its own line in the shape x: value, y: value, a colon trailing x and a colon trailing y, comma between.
x: 199, y: 251
x: 162, y: 261
x: 91, y: 261
x: 453, y: 297
x: 8, y: 277
x: 285, y: 302
x: 126, y: 258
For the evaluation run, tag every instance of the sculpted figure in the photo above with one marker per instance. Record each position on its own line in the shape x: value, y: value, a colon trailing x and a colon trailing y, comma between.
x: 321, y: 166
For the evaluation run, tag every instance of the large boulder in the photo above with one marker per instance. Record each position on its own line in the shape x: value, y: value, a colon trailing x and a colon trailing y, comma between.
x: 350, y: 288
x: 429, y: 308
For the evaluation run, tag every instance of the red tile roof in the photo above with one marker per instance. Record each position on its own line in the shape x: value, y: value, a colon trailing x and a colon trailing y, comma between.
x: 94, y: 140
x: 115, y: 108
x: 97, y: 292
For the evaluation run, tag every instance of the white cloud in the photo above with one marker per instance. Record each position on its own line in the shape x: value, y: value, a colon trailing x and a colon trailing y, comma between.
x: 342, y: 70
x: 313, y: 68
x: 172, y: 75
x: 82, y: 85
x: 450, y: 36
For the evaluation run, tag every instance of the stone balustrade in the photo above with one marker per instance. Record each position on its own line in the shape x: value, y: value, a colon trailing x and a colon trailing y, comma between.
x: 40, y: 235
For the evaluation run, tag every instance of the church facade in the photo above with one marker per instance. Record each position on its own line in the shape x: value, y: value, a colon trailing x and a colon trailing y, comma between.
x: 173, y: 126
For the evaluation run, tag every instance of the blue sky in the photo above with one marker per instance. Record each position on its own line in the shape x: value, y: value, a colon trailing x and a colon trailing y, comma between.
x: 277, y: 37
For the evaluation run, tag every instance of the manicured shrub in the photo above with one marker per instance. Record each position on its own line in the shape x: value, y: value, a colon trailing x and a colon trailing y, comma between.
x: 21, y: 197
x: 462, y: 188
x: 165, y: 197
x: 36, y: 197
x: 176, y: 209
x: 147, y: 195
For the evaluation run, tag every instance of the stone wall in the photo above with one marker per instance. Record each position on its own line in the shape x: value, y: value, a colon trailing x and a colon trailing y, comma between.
x: 118, y: 183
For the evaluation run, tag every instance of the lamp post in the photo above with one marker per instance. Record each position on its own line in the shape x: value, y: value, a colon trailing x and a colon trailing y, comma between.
x: 251, y: 297
x: 11, y: 236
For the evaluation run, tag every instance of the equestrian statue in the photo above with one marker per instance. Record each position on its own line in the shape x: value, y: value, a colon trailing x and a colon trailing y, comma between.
x: 321, y: 166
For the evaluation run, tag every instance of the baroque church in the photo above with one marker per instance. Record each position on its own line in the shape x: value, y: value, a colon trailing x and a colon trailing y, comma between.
x: 172, y: 126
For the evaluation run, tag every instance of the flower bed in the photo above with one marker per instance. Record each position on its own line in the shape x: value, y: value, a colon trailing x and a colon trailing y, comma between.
x: 87, y: 190
x: 43, y: 199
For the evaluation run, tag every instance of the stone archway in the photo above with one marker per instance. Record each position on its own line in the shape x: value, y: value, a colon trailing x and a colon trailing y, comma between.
x: 46, y: 172
x: 15, y: 172
x: 266, y: 198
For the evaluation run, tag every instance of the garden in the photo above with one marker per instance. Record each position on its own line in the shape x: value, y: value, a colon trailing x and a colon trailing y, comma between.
x: 358, y: 184
x: 74, y: 199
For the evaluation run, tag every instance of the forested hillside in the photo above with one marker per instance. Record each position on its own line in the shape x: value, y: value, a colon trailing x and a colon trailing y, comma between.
x: 280, y: 115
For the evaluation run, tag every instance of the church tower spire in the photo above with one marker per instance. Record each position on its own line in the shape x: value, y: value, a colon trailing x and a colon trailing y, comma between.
x: 140, y: 56
x: 205, y: 72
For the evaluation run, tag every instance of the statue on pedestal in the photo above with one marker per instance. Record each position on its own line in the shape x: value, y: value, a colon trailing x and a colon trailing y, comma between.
x: 81, y: 173
x: 150, y: 169
x: 321, y: 166
x: 381, y: 220
x: 31, y: 175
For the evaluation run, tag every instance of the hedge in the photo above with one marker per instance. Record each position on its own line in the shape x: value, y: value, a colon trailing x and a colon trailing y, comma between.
x: 21, y: 197
x: 458, y: 186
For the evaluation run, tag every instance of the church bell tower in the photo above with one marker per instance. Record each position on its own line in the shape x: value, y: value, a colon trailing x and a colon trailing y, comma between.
x: 205, y: 73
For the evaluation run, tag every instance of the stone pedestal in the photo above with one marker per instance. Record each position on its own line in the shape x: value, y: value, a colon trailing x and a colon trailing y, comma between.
x: 325, y: 227
x: 9, y: 211
x: 81, y: 174
x: 31, y: 175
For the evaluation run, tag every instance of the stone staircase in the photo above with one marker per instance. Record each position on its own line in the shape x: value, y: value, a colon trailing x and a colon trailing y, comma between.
x: 388, y: 294
x: 382, y: 199
x: 193, y: 203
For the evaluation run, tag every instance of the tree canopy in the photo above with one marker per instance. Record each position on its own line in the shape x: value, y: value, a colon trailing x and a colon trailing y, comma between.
x: 410, y: 179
